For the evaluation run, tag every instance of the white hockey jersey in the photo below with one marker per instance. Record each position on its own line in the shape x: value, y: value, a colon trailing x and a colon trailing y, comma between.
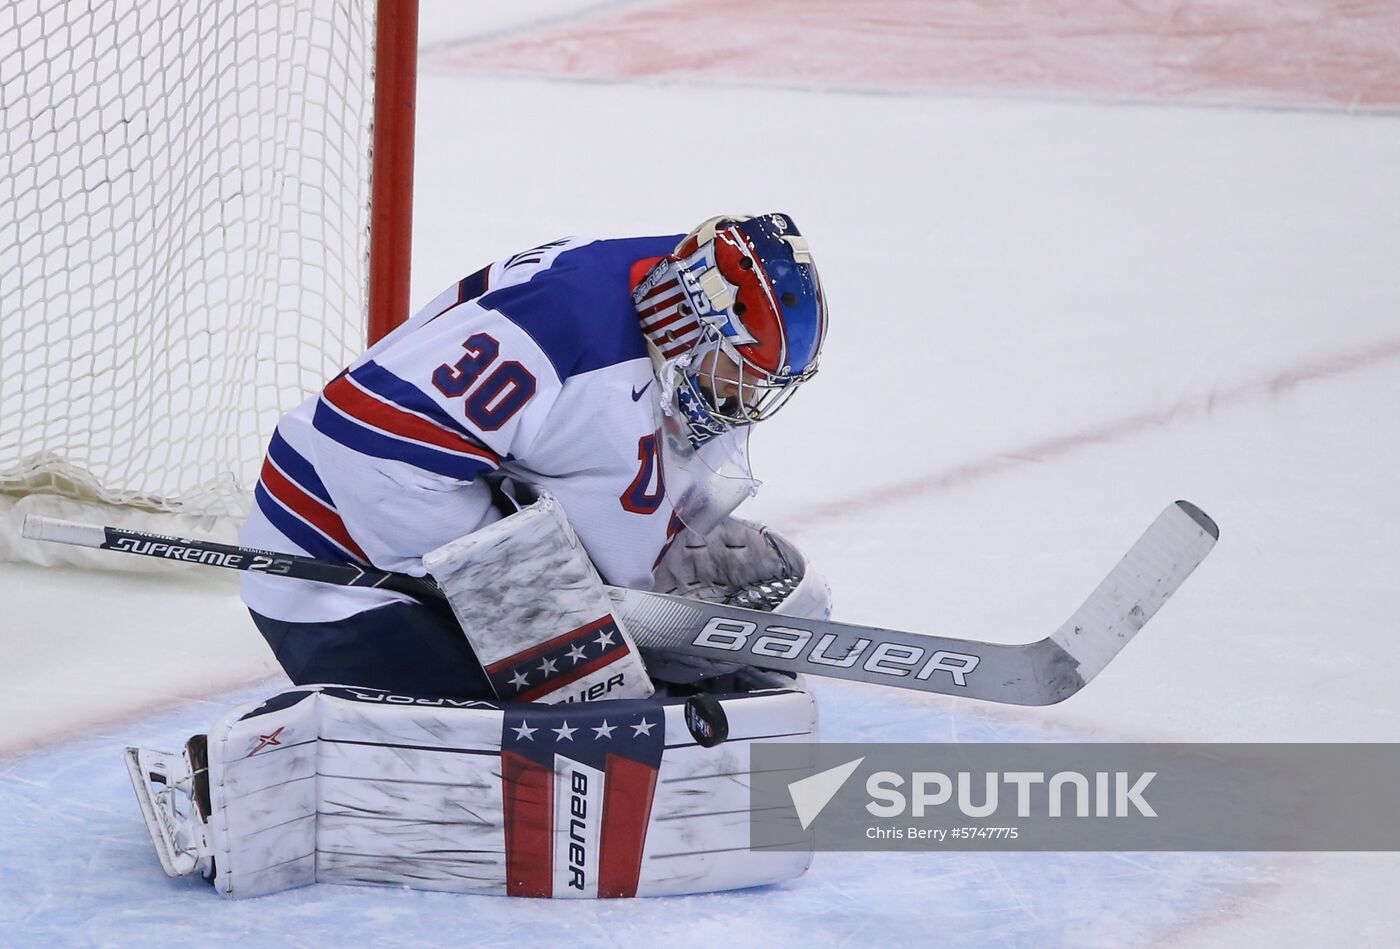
x: 534, y: 367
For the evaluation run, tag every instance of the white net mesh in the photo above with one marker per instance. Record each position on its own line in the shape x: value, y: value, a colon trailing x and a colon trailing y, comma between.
x: 184, y: 194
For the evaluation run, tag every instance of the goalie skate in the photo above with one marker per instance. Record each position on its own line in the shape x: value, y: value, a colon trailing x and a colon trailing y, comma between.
x: 173, y: 791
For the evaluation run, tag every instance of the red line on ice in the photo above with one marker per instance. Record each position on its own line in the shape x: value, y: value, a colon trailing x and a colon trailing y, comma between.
x: 1329, y: 53
x: 1113, y: 430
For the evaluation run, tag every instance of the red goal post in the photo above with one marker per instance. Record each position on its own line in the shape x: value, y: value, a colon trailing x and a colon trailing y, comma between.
x: 205, y: 213
x: 391, y: 204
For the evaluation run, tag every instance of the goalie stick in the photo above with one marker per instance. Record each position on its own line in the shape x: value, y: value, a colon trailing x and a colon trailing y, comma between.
x: 1038, y: 673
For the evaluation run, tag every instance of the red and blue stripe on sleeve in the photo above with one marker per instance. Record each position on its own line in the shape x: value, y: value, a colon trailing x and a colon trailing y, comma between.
x: 374, y: 412
x: 293, y: 499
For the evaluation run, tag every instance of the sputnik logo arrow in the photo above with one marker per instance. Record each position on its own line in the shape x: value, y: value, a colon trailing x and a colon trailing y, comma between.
x: 811, y: 795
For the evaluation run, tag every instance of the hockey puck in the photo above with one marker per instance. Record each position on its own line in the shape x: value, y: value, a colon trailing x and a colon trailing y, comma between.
x: 704, y: 716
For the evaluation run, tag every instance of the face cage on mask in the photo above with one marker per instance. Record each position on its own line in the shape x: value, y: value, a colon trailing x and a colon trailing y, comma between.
x: 752, y: 394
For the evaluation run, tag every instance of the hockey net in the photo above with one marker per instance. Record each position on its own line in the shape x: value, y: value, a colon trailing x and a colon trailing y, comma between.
x: 184, y: 247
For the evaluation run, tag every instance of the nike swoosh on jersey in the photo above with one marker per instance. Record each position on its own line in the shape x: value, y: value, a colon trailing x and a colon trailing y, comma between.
x: 637, y: 393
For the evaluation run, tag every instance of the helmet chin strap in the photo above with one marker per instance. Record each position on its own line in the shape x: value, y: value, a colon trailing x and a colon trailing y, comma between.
x: 688, y: 408
x: 667, y: 372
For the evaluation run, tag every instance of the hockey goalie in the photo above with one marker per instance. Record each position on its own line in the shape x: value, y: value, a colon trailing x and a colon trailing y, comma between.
x: 574, y: 415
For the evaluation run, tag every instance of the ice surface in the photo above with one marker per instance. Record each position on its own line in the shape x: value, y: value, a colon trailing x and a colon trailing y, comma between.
x: 1050, y: 318
x: 100, y: 883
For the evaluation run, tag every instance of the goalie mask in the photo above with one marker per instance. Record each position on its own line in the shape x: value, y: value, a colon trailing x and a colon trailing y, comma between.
x: 734, y: 321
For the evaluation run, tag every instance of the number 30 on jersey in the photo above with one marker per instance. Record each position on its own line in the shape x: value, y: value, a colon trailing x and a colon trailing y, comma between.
x: 500, y: 394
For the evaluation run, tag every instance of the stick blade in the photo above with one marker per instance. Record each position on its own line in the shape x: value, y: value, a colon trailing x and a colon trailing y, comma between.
x: 1200, y: 517
x: 1132, y: 593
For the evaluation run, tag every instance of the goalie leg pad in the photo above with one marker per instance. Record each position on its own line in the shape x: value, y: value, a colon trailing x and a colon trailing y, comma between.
x: 536, y: 612
x: 598, y: 799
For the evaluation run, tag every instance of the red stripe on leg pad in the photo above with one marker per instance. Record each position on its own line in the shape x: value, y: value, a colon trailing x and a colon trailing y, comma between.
x: 631, y: 788
x: 527, y: 791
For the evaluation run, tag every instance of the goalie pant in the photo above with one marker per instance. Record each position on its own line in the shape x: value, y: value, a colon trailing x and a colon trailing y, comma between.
x: 538, y: 623
x: 598, y: 799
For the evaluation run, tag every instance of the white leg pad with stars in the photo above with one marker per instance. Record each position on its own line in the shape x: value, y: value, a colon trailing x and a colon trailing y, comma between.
x: 330, y: 784
x: 536, y: 612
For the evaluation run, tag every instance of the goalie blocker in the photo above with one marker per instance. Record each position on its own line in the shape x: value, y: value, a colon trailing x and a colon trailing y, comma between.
x: 536, y: 612
x: 347, y: 785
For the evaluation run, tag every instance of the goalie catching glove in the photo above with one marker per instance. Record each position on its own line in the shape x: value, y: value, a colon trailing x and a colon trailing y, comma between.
x: 740, y: 563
